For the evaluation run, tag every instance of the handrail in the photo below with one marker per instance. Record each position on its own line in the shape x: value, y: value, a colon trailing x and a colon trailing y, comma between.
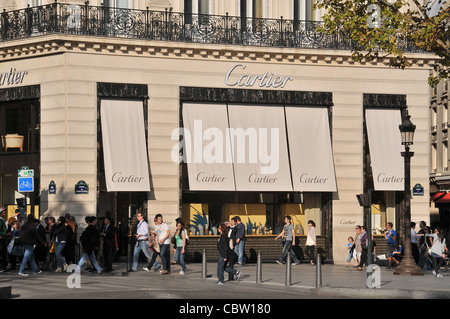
x: 63, y: 18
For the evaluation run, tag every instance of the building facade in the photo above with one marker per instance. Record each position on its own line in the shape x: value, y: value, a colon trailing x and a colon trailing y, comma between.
x: 99, y: 93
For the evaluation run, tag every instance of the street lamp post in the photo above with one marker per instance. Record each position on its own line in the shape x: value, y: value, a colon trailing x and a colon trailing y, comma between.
x: 407, y: 265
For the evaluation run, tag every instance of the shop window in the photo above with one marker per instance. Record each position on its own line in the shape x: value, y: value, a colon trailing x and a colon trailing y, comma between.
x: 19, y: 127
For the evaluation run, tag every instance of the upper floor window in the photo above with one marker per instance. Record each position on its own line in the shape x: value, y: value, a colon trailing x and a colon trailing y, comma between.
x: 303, y: 10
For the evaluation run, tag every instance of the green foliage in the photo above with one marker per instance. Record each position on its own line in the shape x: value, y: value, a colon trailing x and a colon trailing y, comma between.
x: 383, y: 29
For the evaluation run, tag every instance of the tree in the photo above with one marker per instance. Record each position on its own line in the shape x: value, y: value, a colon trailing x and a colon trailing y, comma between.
x: 386, y: 28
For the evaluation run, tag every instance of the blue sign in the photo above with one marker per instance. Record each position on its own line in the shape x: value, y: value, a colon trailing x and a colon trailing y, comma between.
x: 81, y: 188
x: 52, y: 188
x: 418, y: 190
x: 26, y: 184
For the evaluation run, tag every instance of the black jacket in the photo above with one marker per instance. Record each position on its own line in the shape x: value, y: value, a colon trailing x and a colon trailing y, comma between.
x: 109, y: 236
x: 89, y: 239
x: 29, y: 234
x: 60, y: 231
x: 223, y: 246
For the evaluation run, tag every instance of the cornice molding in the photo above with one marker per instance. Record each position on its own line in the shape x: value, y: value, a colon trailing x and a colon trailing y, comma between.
x: 52, y: 44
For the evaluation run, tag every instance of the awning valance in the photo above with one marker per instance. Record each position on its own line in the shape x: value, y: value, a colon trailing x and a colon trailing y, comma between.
x: 385, y: 149
x: 124, y: 146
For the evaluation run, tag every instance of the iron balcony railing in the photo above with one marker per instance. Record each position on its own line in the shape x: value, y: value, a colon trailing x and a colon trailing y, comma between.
x: 62, y: 18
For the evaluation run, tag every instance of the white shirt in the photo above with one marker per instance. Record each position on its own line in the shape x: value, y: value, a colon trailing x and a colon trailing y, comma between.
x: 161, y: 232
x: 413, y: 236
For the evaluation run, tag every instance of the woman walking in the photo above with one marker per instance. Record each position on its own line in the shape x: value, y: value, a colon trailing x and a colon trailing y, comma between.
x: 60, y: 238
x: 180, y: 240
x: 311, y: 241
x: 224, y: 256
x: 437, y: 251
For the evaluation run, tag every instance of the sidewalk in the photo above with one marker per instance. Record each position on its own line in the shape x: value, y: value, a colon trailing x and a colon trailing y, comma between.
x: 338, y: 281
x: 343, y: 281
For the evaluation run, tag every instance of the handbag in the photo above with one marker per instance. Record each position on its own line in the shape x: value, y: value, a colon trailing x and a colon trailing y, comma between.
x: 11, y: 246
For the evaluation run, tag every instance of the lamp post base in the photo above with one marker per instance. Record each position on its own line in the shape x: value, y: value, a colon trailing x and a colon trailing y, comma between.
x: 408, y: 267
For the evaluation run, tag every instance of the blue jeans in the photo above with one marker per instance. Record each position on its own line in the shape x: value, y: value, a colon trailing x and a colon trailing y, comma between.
x: 222, y: 266
x: 165, y: 256
x: 287, y: 249
x: 179, y: 258
x: 92, y: 258
x: 60, y: 261
x: 142, y: 245
x: 28, y: 257
x: 239, y: 250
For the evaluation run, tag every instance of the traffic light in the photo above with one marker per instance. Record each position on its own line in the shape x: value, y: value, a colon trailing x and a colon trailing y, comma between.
x: 21, y: 202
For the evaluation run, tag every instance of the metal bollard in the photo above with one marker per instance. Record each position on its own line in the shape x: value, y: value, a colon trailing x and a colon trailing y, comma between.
x: 204, y: 270
x: 318, y: 271
x: 288, y: 280
x: 259, y: 269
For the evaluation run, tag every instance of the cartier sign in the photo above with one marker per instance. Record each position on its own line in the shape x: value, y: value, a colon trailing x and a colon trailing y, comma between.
x: 265, y: 80
x: 11, y: 77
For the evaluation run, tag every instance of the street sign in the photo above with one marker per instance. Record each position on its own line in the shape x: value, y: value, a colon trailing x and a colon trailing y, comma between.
x: 26, y: 172
x: 25, y: 184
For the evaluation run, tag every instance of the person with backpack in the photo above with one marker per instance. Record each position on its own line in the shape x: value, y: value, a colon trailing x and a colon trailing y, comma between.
x: 29, y: 237
x: 89, y: 240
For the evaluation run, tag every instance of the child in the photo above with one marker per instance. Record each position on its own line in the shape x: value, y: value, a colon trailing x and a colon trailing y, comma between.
x: 350, y: 247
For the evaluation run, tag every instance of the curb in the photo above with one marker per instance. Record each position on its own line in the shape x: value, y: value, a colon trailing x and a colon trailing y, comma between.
x: 382, y: 293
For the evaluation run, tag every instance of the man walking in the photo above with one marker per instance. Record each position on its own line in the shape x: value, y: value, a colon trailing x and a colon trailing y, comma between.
x: 108, y: 234
x: 240, y: 240
x: 364, y: 248
x: 163, y: 233
x: 29, y: 237
x: 141, y: 242
x: 89, y: 240
x: 288, y: 234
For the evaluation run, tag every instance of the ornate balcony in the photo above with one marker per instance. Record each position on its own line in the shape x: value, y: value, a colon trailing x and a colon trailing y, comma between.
x: 61, y: 18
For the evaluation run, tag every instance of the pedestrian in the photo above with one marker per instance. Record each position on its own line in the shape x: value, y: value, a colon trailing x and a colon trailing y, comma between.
x: 421, y: 242
x: 40, y: 251
x: 232, y: 230
x: 59, y: 237
x: 180, y: 236
x: 288, y: 235
x: 162, y: 234
x: 438, y: 251
x: 29, y: 237
x: 240, y: 240
x: 89, y: 240
x: 311, y: 241
x: 3, y: 240
x: 223, y: 246
x: 69, y: 249
x: 397, y: 255
x: 357, y: 249
x: 49, y: 229
x: 391, y: 236
x: 414, y: 243
x: 17, y: 250
x: 142, y: 232
x: 109, y: 236
x: 350, y: 248
x: 426, y: 246
x: 364, y: 248
x: 154, y: 247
